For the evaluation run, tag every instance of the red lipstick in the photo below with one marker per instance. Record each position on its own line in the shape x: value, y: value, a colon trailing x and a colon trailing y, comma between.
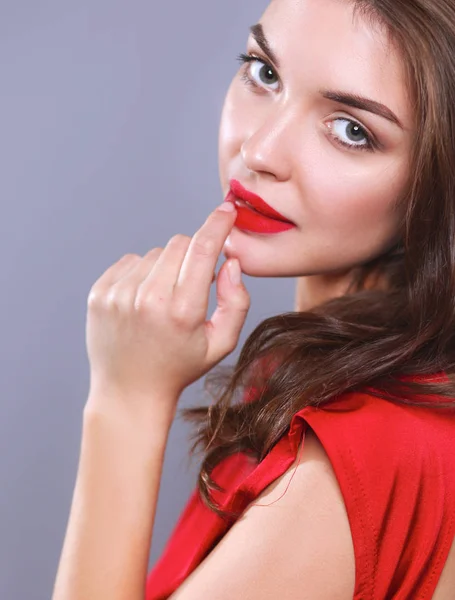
x: 253, y: 213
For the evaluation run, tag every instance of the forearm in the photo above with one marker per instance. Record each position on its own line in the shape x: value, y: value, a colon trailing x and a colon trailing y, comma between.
x: 107, y: 544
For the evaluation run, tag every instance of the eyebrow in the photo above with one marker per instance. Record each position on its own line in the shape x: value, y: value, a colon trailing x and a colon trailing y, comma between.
x: 258, y: 34
x: 353, y: 100
x: 367, y: 104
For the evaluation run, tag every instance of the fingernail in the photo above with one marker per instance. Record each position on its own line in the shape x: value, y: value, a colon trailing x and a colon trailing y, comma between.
x: 235, y: 274
x: 226, y: 207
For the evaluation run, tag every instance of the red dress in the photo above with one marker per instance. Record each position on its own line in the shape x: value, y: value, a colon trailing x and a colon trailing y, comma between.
x: 395, y: 465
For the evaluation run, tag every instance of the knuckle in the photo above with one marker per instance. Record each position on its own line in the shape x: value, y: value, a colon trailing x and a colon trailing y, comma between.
x: 96, y: 302
x: 181, y: 314
x: 112, y: 299
x: 131, y: 256
x: 144, y: 303
x: 93, y: 298
x: 179, y: 241
x: 243, y: 303
x: 140, y: 306
x: 153, y: 252
x: 118, y: 299
x: 150, y: 303
x: 205, y: 246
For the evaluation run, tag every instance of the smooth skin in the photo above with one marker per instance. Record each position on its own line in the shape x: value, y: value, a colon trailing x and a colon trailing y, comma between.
x: 153, y: 307
x: 148, y: 337
x: 147, y: 340
x: 282, y: 139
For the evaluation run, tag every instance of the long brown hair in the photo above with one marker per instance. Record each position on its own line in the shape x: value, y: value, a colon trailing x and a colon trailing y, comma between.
x: 369, y: 338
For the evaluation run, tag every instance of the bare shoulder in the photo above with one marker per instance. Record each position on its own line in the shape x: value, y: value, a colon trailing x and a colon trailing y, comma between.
x: 294, y: 542
x: 446, y: 584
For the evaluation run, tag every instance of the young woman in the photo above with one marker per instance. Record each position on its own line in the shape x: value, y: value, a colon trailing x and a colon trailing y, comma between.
x: 333, y: 477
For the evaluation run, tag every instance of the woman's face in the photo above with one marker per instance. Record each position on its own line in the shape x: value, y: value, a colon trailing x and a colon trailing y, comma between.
x: 285, y: 136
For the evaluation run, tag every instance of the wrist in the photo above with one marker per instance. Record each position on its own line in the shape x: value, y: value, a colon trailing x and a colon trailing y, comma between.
x: 149, y: 418
x: 112, y: 442
x: 151, y: 409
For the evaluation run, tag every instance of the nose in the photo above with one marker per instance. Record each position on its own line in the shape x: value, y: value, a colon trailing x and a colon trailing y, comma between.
x: 270, y: 143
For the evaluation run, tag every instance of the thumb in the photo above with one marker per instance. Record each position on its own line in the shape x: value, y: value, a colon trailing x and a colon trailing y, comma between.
x: 233, y: 303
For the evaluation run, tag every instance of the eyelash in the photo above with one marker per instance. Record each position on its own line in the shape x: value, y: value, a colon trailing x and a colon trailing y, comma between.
x: 246, y: 59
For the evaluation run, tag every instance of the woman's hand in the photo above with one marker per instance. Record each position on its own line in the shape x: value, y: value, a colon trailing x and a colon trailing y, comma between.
x: 147, y: 334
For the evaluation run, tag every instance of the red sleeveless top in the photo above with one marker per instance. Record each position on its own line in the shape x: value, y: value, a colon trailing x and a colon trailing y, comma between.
x: 395, y: 465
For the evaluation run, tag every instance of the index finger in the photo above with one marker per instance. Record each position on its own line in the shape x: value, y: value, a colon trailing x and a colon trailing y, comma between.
x: 196, y: 273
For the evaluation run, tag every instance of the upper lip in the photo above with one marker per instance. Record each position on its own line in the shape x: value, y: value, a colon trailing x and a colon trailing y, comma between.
x: 256, y: 201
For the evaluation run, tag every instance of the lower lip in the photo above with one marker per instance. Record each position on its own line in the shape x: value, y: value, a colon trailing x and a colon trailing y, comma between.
x: 250, y: 220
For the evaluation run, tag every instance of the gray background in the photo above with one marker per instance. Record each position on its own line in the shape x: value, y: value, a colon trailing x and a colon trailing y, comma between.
x: 108, y: 145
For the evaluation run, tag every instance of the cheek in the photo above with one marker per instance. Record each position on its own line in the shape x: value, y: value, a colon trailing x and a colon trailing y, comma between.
x: 348, y: 199
x: 346, y: 192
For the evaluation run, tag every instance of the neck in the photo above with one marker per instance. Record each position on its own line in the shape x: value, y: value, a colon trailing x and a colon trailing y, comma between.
x: 316, y: 289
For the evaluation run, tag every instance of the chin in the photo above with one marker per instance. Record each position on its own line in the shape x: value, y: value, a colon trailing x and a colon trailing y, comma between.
x: 253, y: 266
